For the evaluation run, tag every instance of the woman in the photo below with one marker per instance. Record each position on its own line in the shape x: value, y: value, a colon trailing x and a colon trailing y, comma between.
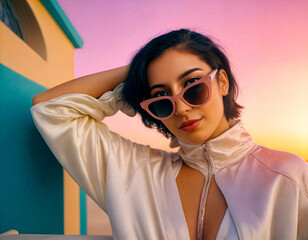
x: 219, y: 185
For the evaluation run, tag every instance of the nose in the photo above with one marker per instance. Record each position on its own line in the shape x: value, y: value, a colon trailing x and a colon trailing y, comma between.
x: 181, y: 108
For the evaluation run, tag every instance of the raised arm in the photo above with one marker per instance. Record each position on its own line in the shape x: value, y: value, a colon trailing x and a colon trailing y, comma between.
x: 69, y: 118
x: 94, y: 85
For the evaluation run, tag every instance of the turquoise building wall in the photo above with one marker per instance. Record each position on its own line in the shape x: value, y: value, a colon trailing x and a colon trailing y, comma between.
x: 31, y: 192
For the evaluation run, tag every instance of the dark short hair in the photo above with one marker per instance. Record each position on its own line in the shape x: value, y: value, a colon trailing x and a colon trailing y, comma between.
x: 136, y: 86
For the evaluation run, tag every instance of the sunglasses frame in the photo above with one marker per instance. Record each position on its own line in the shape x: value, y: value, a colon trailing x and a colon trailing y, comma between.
x: 207, y: 80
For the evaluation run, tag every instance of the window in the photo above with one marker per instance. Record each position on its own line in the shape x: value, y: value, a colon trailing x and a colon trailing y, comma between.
x: 18, y: 16
x: 8, y: 16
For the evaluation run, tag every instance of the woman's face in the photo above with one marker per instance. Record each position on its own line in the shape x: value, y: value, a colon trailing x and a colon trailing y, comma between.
x: 190, y: 124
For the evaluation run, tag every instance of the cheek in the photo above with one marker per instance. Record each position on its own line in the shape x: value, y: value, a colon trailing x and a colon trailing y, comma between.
x: 214, y: 107
x: 169, y: 123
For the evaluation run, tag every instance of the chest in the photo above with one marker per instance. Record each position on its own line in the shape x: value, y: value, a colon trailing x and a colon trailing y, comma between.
x: 190, y: 184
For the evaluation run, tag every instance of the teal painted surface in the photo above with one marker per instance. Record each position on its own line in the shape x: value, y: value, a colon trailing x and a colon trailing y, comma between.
x: 31, y: 189
x: 83, y: 213
x: 61, y: 18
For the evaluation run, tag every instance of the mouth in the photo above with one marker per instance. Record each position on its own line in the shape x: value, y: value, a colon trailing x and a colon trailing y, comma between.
x: 190, y: 125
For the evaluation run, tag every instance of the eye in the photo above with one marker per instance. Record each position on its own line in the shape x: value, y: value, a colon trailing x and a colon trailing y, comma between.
x: 190, y: 81
x: 159, y: 94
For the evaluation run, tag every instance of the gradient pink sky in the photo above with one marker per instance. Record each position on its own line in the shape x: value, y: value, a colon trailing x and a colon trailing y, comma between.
x: 266, y: 42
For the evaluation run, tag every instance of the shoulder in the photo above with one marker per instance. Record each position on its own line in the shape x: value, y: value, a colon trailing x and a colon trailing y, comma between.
x: 165, y: 161
x: 284, y: 163
x: 280, y: 161
x: 159, y: 156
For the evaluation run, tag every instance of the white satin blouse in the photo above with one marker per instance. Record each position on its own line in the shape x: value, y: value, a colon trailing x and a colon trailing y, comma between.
x: 266, y: 190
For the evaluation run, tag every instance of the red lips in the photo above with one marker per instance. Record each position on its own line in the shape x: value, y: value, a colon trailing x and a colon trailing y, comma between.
x: 190, y: 125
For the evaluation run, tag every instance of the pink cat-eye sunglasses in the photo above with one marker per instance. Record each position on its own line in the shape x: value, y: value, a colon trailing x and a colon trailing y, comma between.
x: 195, y: 95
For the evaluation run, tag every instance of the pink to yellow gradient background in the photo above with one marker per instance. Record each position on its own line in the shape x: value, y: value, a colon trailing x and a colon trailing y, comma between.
x: 266, y: 42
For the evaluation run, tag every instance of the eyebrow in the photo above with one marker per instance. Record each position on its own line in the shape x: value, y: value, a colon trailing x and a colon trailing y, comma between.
x: 179, y: 78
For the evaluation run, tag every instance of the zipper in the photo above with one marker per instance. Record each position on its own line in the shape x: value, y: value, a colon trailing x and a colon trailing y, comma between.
x: 204, y: 191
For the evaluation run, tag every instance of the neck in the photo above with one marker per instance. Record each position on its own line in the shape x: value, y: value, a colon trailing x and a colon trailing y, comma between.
x: 221, y: 128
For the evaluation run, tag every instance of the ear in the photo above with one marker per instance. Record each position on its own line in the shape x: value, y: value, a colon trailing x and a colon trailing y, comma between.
x: 223, y: 82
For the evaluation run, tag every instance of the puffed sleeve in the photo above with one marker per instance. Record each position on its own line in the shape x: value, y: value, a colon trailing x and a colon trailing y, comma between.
x: 72, y: 128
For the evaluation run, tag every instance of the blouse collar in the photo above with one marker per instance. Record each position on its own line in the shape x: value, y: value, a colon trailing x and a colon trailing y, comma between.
x: 224, y: 150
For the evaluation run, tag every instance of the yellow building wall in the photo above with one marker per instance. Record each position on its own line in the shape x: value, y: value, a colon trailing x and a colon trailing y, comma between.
x: 18, y: 56
x: 56, y: 69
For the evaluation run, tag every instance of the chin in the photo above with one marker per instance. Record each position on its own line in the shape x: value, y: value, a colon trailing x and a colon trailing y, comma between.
x: 196, y: 138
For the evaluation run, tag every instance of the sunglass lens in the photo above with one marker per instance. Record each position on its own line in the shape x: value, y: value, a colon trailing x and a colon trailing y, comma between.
x: 161, y: 108
x: 197, y: 94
